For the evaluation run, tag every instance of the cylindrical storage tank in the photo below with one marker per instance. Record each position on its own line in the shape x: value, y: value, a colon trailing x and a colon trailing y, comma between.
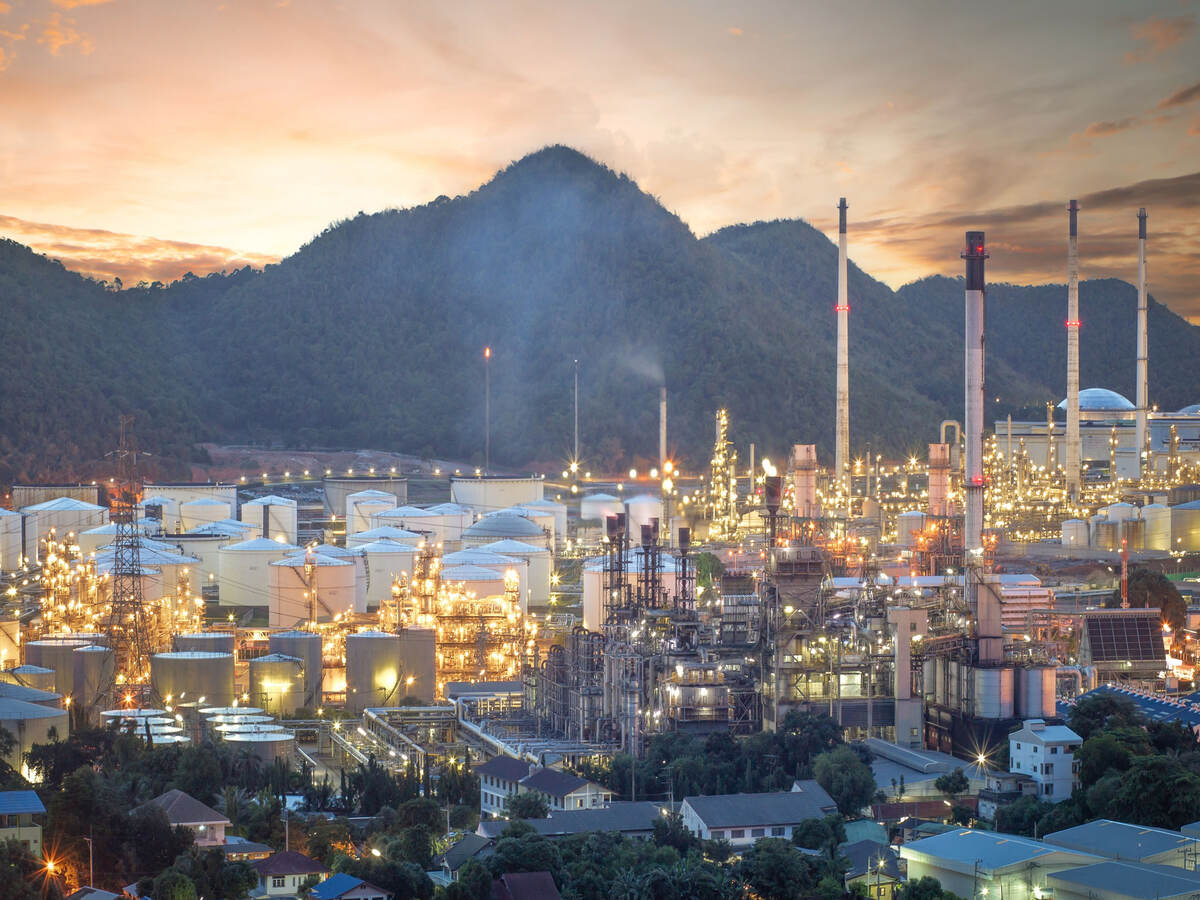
x: 193, y: 674
x: 57, y: 654
x: 1133, y: 533
x: 490, y: 529
x: 994, y: 693
x: 477, y: 580
x: 498, y: 563
x: 63, y: 515
x: 1119, y: 512
x: 39, y: 677
x: 217, y: 712
x: 384, y: 533
x: 372, y: 670
x: 163, y: 509
x: 10, y: 540
x: 167, y: 740
x: 542, y: 518
x: 295, y: 579
x: 30, y: 724
x: 1106, y: 536
x: 94, y: 676
x: 598, y: 507
x: 339, y: 487
x: 138, y: 713
x: 277, y: 683
x: 202, y: 511
x: 1156, y: 527
x: 247, y: 727
x: 305, y: 646
x: 908, y: 526
x: 640, y: 510
x: 456, y: 518
x: 559, y: 511
x: 1185, y: 526
x: 1036, y: 692
x: 268, y: 746
x: 245, y: 569
x: 274, y: 517
x: 954, y: 684
x: 384, y: 561
x: 206, y: 641
x: 355, y: 558
x: 539, y: 561
x: 418, y: 655
x: 1075, y: 533
x: 362, y: 505
x: 491, y: 492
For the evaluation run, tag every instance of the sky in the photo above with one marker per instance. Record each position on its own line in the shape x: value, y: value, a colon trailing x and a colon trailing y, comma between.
x: 145, y: 138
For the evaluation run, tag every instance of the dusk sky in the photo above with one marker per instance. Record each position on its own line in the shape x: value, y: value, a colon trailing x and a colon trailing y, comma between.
x: 144, y: 138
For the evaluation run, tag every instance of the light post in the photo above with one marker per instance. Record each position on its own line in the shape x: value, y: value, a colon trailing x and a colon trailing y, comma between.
x: 91, y: 873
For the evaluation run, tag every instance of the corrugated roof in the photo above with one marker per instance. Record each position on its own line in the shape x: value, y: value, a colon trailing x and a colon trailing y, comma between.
x: 992, y: 850
x: 270, y: 500
x: 776, y: 808
x: 625, y: 816
x: 468, y: 847
x: 15, y: 710
x: 1137, y: 881
x: 866, y: 857
x: 315, y: 559
x: 470, y: 573
x: 383, y: 545
x: 336, y: 885
x: 1120, y: 840
x: 16, y: 803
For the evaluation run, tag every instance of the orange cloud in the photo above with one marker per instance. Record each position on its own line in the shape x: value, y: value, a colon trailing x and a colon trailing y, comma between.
x: 1103, y: 129
x: 735, y: 31
x: 5, y: 8
x: 1181, y: 97
x: 1159, y: 35
x: 71, y: 4
x: 132, y: 258
x: 59, y: 32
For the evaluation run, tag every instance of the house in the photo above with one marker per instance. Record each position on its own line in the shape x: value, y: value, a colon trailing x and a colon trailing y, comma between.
x: 525, y: 886
x: 503, y: 775
x: 282, y: 873
x: 1004, y: 788
x: 182, y: 809
x: 874, y: 866
x: 628, y: 817
x: 461, y: 852
x: 238, y: 849
x: 91, y: 893
x: 1135, y: 843
x: 21, y: 815
x: 742, y: 819
x: 1046, y: 753
x: 347, y: 887
x: 978, y: 864
x: 1120, y: 880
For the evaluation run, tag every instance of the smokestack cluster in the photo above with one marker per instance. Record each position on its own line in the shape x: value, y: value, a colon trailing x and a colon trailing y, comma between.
x: 1143, y: 348
x: 842, y: 437
x: 1074, y: 466
x: 974, y: 254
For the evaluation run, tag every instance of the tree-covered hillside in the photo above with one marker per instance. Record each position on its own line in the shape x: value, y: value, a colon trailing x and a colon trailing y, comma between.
x: 373, y: 335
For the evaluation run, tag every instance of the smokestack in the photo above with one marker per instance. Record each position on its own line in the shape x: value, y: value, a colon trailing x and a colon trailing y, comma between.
x: 841, y: 460
x: 1143, y: 348
x: 975, y: 254
x: 804, y: 480
x: 1073, y: 462
x: 939, y: 479
x: 662, y: 428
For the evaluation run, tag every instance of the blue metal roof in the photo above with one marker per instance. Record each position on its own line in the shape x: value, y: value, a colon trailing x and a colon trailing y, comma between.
x: 1157, y: 709
x: 335, y: 886
x: 15, y: 803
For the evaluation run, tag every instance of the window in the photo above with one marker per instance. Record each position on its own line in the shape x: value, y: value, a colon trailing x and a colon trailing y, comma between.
x: 758, y: 832
x: 278, y: 881
x: 1018, y: 746
x: 1048, y: 769
x: 1053, y: 750
x: 717, y: 835
x: 777, y: 831
x: 1047, y: 789
x: 738, y: 833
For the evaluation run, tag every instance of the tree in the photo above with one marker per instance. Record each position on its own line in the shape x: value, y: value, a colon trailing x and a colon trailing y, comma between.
x: 174, y: 885
x: 23, y: 876
x: 1101, y: 710
x: 952, y: 783
x: 1151, y: 589
x: 527, y: 853
x: 669, y: 831
x: 1100, y: 754
x: 1157, y: 791
x: 846, y: 778
x: 1021, y: 816
x: 526, y: 805
x: 824, y: 834
x: 774, y: 868
x: 926, y: 888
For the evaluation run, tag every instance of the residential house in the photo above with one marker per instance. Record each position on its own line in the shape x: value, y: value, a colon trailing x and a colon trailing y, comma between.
x: 21, y: 815
x: 634, y: 819
x: 502, y: 775
x: 525, y: 886
x: 874, y: 866
x: 461, y: 852
x: 91, y: 893
x: 282, y: 873
x: 238, y: 849
x: 743, y: 819
x: 347, y: 887
x: 182, y: 809
x: 1046, y: 753
x: 1004, y: 788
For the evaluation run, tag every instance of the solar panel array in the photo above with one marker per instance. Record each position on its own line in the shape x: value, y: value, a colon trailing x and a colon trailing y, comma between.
x: 1136, y: 637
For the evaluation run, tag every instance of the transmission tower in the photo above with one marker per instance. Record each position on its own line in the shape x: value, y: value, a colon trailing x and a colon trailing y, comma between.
x: 128, y: 628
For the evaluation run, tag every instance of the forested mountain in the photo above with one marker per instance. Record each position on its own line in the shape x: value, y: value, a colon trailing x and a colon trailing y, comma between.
x: 372, y: 335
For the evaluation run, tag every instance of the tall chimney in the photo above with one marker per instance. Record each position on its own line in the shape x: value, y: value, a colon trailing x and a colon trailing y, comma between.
x: 1143, y: 348
x: 1073, y: 466
x: 662, y: 428
x: 975, y: 254
x: 804, y: 480
x: 841, y: 459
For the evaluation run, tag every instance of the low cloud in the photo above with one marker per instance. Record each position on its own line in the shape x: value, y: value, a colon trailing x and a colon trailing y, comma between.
x: 132, y: 258
x: 1157, y: 35
x: 1103, y: 129
x: 1182, y: 97
x: 71, y: 4
x: 58, y: 32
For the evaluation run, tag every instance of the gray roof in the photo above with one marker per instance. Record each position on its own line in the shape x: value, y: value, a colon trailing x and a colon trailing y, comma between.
x: 1053, y: 734
x: 1135, y: 880
x: 504, y: 767
x: 865, y: 857
x: 28, y: 694
x: 1120, y: 840
x: 12, y: 710
x: 469, y: 847
x: 627, y: 817
x: 776, y: 808
x: 15, y: 803
x: 184, y: 809
x: 993, y: 850
x: 553, y: 782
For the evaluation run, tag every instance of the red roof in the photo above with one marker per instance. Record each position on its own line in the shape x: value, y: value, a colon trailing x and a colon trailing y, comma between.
x: 289, y: 863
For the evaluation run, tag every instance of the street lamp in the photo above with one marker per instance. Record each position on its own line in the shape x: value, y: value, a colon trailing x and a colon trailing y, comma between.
x: 91, y: 874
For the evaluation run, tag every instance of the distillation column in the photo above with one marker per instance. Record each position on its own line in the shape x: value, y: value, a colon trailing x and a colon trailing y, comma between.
x: 1073, y: 461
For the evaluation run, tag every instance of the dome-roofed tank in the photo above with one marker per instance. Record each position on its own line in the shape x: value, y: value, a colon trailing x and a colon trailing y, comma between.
x: 360, y: 506
x: 208, y: 641
x: 203, y: 510
x: 245, y: 570
x: 39, y: 677
x: 1101, y: 400
x: 277, y: 683
x: 490, y: 529
x: 384, y: 561
x: 273, y: 517
x: 599, y: 506
x: 294, y: 580
x: 385, y: 533
x: 57, y: 653
x: 193, y: 674
x: 305, y: 646
x: 539, y: 561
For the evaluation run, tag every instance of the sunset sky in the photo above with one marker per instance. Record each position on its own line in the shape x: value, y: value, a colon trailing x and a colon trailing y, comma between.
x: 144, y: 138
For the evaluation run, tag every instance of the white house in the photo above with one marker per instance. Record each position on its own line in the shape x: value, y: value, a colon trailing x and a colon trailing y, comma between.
x: 503, y: 775
x: 281, y: 874
x: 743, y: 819
x: 21, y: 815
x: 1046, y: 753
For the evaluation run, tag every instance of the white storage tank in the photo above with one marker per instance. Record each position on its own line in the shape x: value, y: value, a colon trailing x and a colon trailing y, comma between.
x: 163, y: 509
x: 355, y: 558
x: 205, y: 548
x: 384, y: 560
x: 64, y: 515
x: 908, y: 526
x: 362, y: 505
x: 498, y: 563
x: 1132, y: 532
x: 373, y: 675
x: 559, y: 512
x: 339, y: 487
x: 293, y: 579
x: 456, y: 519
x: 542, y: 518
x: 411, y: 518
x: 994, y: 693
x: 231, y: 529
x: 418, y: 655
x: 1156, y: 532
x: 491, y: 492
x: 1036, y: 692
x: 30, y: 724
x: 639, y: 511
x: 245, y: 570
x: 1185, y: 526
x: 539, y: 561
x: 273, y: 517
x: 305, y: 646
x: 95, y: 673
x: 1106, y: 535
x: 38, y: 677
x: 202, y: 511
x: 193, y: 674
x: 384, y: 533
x: 57, y: 653
x: 592, y: 578
x: 490, y: 529
x: 1075, y: 533
x: 1119, y: 512
x: 183, y: 491
x: 206, y: 641
x: 277, y: 683
x: 598, y: 507
x: 268, y: 746
x: 10, y: 540
x: 477, y: 580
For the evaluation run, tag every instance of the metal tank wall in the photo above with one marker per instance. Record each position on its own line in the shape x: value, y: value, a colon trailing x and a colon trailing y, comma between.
x: 361, y: 506
x: 245, y: 570
x: 1156, y: 519
x: 1075, y: 533
x: 339, y: 487
x: 95, y: 673
x: 372, y: 670
x: 274, y: 517
x: 193, y: 674
x: 39, y: 677
x: 207, y: 641
x: 59, y: 655
x: 418, y: 655
x: 384, y: 560
x: 199, y: 512
x: 267, y: 746
x: 485, y: 494
x: 305, y: 646
x: 598, y: 507
x: 277, y: 683
x: 10, y: 540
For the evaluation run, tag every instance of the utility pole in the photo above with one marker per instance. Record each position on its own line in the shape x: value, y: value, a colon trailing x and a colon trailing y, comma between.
x: 91, y: 872
x: 575, y: 457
